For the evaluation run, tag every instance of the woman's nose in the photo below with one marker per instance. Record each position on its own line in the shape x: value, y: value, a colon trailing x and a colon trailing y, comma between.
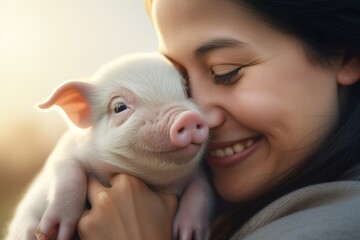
x: 214, y: 117
x: 208, y: 96
x: 211, y: 107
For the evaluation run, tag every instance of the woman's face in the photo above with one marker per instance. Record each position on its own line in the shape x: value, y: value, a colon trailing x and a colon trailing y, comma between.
x: 267, y: 107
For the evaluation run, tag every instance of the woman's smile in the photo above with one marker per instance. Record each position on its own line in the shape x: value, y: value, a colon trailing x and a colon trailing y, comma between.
x: 224, y: 155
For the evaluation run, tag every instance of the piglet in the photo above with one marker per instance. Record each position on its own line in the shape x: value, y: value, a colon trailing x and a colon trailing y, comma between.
x: 133, y: 117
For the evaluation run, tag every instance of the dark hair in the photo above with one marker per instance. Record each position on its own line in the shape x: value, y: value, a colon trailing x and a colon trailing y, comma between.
x: 329, y: 30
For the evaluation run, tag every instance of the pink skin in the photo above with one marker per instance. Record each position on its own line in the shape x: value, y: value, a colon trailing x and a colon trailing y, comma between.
x: 188, y: 128
x: 155, y: 125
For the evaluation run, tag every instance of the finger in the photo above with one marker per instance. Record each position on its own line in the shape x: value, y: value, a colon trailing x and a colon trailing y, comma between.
x: 121, y: 181
x: 170, y: 200
x: 116, y: 179
x: 95, y: 189
x: 84, y: 223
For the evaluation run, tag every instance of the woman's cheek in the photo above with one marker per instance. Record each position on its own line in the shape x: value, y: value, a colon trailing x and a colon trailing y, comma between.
x: 261, y: 112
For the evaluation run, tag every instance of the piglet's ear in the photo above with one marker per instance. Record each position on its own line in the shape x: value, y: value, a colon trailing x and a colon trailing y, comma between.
x: 72, y: 97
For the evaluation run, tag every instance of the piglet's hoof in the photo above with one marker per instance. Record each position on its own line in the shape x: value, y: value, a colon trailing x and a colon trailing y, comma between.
x: 40, y: 236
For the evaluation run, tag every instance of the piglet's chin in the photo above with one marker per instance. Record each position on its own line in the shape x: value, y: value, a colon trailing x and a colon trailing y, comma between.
x: 183, y: 155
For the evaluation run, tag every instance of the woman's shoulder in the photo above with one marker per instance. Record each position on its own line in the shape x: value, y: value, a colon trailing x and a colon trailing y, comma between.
x: 322, y: 211
x: 352, y: 174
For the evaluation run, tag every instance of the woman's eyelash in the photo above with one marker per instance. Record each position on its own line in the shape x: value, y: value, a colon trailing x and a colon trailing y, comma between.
x: 226, y: 78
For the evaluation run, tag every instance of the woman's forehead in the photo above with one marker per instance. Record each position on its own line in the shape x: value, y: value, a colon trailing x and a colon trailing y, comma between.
x: 189, y: 26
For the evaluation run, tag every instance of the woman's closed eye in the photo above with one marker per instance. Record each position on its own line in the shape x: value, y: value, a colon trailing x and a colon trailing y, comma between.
x: 227, y: 78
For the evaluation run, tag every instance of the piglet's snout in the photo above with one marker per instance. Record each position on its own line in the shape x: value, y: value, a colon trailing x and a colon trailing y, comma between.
x: 188, y: 128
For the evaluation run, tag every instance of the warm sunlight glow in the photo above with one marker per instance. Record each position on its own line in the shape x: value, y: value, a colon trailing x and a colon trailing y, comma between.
x: 43, y: 43
x: 18, y: 35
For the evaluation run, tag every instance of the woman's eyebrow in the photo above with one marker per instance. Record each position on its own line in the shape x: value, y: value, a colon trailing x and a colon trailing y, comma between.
x: 216, y: 44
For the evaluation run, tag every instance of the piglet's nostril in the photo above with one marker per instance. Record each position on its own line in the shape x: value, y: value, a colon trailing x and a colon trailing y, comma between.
x: 189, y: 127
x: 181, y: 130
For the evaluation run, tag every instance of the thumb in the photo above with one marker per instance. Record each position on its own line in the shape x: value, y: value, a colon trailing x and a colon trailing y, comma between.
x: 170, y: 202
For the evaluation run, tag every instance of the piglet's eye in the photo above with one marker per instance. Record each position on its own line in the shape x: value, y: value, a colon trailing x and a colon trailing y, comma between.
x: 119, y: 107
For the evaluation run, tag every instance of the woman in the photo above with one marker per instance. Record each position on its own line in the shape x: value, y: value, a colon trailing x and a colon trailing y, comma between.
x: 279, y: 84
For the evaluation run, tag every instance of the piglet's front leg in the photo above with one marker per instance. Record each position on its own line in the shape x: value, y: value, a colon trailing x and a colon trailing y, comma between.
x: 195, y: 209
x: 66, y: 203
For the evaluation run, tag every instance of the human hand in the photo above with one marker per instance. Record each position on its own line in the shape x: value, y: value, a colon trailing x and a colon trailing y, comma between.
x: 128, y: 209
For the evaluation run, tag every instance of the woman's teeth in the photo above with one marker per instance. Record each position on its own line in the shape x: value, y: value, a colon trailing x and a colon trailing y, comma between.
x: 228, y: 151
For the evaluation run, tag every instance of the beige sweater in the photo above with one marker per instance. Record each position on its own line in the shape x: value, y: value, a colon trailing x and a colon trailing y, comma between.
x: 329, y: 211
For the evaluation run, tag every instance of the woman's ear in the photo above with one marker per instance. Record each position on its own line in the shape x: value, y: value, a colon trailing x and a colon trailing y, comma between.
x: 349, y: 72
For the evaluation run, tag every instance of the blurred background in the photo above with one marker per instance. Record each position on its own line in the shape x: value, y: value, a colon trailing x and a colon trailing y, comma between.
x: 43, y: 43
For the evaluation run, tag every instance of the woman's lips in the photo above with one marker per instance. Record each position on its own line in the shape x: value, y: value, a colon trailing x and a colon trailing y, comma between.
x: 232, y: 154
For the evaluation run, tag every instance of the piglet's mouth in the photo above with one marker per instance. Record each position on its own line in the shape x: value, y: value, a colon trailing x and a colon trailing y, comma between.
x: 182, y: 155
